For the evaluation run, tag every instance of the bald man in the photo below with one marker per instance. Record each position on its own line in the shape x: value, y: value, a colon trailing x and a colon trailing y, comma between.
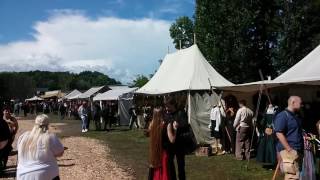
x: 288, y: 129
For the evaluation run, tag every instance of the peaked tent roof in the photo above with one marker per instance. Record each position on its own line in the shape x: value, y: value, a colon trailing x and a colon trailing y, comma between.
x: 72, y: 94
x: 90, y: 92
x: 34, y: 98
x: 186, y: 69
x: 306, y: 70
x: 113, y: 94
x: 52, y: 94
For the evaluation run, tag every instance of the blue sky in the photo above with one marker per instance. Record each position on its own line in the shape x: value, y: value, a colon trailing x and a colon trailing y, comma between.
x: 78, y: 35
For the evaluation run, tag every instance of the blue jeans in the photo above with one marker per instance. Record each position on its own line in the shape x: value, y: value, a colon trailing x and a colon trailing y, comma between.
x: 84, y: 122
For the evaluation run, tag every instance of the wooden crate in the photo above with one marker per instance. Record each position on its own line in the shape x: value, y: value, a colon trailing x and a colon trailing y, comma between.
x: 204, y: 151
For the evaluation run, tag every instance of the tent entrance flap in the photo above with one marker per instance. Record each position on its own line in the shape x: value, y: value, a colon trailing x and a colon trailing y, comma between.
x: 200, y: 107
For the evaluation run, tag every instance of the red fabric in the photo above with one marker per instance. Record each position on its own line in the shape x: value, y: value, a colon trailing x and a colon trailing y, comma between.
x: 161, y: 173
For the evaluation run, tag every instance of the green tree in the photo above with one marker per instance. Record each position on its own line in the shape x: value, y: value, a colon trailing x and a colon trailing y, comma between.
x: 235, y: 36
x: 299, y: 31
x: 240, y: 37
x: 140, y: 81
x: 182, y: 30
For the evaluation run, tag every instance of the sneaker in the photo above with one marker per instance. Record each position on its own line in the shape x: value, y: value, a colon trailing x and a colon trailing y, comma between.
x: 83, y: 130
x: 86, y: 130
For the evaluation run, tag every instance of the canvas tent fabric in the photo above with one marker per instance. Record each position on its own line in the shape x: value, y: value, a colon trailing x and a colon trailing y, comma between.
x: 72, y: 94
x: 124, y: 104
x: 124, y: 96
x: 53, y: 94
x: 91, y: 92
x: 113, y: 94
x: 186, y: 69
x: 200, y: 107
x: 74, y: 97
x: 306, y: 70
x: 34, y: 98
x: 250, y: 87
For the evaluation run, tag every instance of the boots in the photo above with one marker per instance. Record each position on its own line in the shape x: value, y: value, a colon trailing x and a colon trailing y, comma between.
x: 217, y: 148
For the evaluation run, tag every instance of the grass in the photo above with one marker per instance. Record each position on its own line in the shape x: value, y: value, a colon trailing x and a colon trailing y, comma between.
x: 130, y: 150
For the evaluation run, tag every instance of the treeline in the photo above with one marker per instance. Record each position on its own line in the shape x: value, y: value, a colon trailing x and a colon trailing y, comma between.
x: 24, y: 84
x: 240, y: 37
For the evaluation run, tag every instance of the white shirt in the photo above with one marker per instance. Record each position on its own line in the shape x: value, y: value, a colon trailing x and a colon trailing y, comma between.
x: 215, y: 115
x: 243, y: 118
x: 45, y: 166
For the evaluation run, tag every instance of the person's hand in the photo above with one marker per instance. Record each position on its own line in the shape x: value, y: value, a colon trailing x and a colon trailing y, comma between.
x: 175, y: 125
x: 289, y: 149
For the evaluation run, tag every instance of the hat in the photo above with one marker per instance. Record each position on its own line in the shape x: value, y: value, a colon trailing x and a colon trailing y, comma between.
x: 42, y: 120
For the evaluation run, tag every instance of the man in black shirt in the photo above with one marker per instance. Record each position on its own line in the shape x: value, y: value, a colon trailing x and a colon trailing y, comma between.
x: 5, y: 147
x: 179, y: 151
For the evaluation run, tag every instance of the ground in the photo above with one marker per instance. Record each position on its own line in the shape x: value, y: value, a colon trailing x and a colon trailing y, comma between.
x: 122, y: 154
x: 85, y: 158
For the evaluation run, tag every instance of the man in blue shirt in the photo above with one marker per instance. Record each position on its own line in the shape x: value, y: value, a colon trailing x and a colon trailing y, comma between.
x: 288, y: 129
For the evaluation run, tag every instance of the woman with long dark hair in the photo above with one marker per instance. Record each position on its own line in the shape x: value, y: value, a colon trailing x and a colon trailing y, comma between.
x: 162, y: 136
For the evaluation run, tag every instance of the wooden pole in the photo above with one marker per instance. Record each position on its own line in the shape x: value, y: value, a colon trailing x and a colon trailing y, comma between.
x: 194, y: 38
x: 276, y: 171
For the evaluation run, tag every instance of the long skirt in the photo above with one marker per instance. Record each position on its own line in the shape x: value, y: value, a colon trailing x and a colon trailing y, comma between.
x: 160, y: 173
x: 266, y: 150
x: 308, y: 167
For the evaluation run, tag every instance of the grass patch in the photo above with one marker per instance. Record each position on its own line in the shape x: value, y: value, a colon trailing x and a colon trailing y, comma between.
x: 130, y: 149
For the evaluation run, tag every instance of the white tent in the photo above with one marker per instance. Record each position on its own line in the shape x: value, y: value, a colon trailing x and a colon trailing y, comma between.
x: 114, y: 94
x: 188, y: 70
x: 34, y: 98
x: 185, y: 69
x: 74, y: 97
x: 305, y: 71
x: 124, y: 96
x: 91, y: 92
x: 72, y: 94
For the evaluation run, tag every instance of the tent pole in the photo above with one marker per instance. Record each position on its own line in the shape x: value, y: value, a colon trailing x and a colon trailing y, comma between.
x: 189, y: 107
x: 101, y: 118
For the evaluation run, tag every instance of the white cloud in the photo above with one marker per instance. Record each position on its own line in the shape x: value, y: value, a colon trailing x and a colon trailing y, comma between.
x: 71, y: 41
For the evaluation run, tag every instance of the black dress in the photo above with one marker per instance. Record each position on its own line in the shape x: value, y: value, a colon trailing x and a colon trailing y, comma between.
x: 4, y: 135
x: 267, y: 150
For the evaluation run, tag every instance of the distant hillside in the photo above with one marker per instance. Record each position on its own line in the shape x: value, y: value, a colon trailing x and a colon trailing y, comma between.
x: 23, y: 84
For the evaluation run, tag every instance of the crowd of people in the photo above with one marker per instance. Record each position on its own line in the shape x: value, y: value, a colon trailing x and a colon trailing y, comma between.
x: 275, y: 136
x: 272, y: 136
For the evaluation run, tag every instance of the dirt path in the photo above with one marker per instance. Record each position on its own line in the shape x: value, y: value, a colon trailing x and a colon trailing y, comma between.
x: 85, y: 158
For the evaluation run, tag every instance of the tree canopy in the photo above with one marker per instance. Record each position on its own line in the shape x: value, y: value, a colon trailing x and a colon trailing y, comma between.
x: 140, y: 81
x: 240, y: 37
x: 182, y: 31
x: 23, y: 84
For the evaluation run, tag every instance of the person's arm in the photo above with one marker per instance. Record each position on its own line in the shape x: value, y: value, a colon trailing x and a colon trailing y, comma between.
x: 56, y: 146
x: 236, y: 122
x: 16, y: 125
x: 3, y: 144
x: 171, y: 129
x: 283, y: 141
x: 150, y: 126
x: 280, y: 126
x: 218, y: 119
